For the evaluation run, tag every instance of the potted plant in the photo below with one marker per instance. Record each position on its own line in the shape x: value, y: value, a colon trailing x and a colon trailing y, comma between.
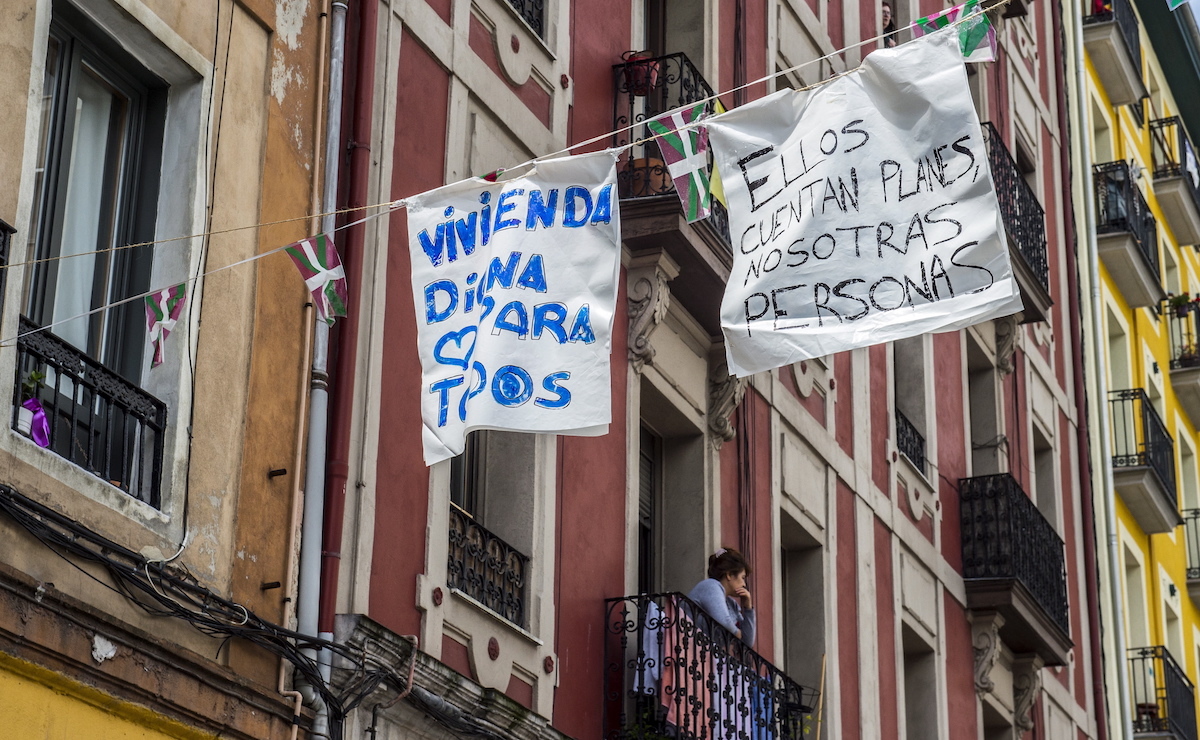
x: 1189, y: 356
x: 1180, y: 304
x: 31, y: 417
x: 640, y: 71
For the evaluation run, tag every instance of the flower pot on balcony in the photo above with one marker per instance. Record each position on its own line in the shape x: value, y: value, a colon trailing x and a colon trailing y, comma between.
x: 648, y: 176
x: 24, y: 420
x: 1188, y: 360
x: 641, y: 72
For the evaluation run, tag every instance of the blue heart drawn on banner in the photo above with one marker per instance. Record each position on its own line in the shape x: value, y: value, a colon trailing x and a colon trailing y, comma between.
x: 457, y: 338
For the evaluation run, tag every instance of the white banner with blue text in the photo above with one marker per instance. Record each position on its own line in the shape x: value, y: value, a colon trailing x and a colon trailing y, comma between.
x: 515, y: 285
x: 861, y: 212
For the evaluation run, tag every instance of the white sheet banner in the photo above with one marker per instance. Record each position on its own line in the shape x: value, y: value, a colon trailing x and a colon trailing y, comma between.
x: 861, y: 212
x: 515, y: 284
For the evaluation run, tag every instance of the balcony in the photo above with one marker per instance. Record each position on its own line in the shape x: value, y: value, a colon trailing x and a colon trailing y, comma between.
x: 1013, y: 563
x: 6, y: 233
x: 1182, y: 317
x: 1191, y: 526
x: 651, y: 215
x: 671, y: 671
x: 97, y: 419
x: 1025, y: 222
x: 910, y: 442
x: 1164, y: 699
x: 532, y: 12
x: 1176, y: 178
x: 1127, y: 236
x: 1113, y: 41
x: 486, y: 568
x: 1143, y: 460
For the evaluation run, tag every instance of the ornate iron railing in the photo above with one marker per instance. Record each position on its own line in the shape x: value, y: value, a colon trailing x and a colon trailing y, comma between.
x: 1121, y: 12
x: 1191, y: 526
x: 97, y: 419
x: 6, y: 233
x: 1174, y: 155
x: 487, y: 568
x: 646, y: 88
x: 1182, y: 328
x: 1163, y: 697
x: 534, y: 13
x: 1120, y: 207
x: 671, y: 671
x: 1005, y: 537
x: 910, y: 442
x: 1024, y: 218
x: 1139, y: 437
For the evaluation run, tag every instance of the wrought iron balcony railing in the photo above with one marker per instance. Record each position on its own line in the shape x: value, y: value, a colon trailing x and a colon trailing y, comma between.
x: 671, y: 671
x: 6, y: 233
x: 910, y: 442
x: 1120, y: 207
x: 1120, y: 11
x: 1140, y: 438
x: 647, y: 88
x: 1163, y: 697
x: 1191, y: 525
x: 1174, y: 155
x: 534, y: 13
x: 1005, y: 537
x: 487, y: 568
x: 1024, y: 218
x: 1182, y: 316
x: 98, y: 420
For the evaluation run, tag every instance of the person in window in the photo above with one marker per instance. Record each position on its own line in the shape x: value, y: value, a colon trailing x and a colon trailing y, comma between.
x: 724, y: 596
x: 889, y: 26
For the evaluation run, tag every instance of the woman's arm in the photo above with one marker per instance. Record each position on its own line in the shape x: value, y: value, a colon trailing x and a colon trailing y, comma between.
x: 710, y: 596
x: 748, y: 627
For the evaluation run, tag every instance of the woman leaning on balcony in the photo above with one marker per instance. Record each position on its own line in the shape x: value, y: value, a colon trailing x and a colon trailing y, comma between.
x: 724, y: 594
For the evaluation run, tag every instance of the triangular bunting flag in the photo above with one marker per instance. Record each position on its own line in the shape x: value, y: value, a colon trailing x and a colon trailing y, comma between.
x: 686, y: 156
x: 976, y: 37
x: 319, y: 265
x: 162, y: 311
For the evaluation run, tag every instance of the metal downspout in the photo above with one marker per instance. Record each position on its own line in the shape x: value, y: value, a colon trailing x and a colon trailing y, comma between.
x: 1109, y: 491
x: 314, y: 481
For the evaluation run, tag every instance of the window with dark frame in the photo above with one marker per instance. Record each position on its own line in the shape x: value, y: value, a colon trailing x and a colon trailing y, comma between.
x: 97, y: 178
x: 96, y: 183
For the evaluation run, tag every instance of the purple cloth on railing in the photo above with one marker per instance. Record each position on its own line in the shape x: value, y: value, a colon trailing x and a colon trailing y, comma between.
x: 39, y: 427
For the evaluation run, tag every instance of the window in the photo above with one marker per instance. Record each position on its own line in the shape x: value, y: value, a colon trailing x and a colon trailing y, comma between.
x: 99, y: 158
x: 987, y: 437
x: 909, y: 374
x: 649, y: 494
x: 96, y: 180
x: 920, y: 687
x: 492, y: 521
x: 802, y: 581
x: 1044, y: 485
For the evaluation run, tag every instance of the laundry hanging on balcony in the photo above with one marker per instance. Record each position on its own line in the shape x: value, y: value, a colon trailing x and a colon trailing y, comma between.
x: 861, y: 212
x: 515, y: 287
x: 162, y: 312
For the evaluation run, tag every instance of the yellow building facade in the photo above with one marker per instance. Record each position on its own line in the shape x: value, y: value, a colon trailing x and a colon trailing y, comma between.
x: 1138, y: 215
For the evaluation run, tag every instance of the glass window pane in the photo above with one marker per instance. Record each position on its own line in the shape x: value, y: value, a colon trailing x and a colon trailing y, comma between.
x: 93, y: 178
x: 49, y: 86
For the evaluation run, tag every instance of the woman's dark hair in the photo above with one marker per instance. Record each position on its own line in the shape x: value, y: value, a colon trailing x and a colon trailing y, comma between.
x: 725, y: 561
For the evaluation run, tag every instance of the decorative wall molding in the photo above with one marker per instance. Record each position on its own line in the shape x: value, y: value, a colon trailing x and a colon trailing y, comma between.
x: 985, y: 639
x: 1027, y: 684
x: 1007, y: 332
x: 649, y: 298
x: 724, y: 394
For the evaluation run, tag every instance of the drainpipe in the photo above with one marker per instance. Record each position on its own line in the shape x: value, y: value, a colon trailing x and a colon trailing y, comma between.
x: 358, y: 176
x: 1108, y: 492
x: 314, y: 481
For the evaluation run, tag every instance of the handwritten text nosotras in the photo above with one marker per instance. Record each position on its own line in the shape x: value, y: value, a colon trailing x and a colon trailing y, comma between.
x: 808, y: 213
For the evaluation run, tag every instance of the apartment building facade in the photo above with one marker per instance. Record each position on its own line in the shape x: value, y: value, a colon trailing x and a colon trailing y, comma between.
x: 919, y: 530
x: 148, y: 520
x: 1139, y: 204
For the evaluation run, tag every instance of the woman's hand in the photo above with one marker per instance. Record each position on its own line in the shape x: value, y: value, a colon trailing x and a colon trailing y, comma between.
x: 744, y: 596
